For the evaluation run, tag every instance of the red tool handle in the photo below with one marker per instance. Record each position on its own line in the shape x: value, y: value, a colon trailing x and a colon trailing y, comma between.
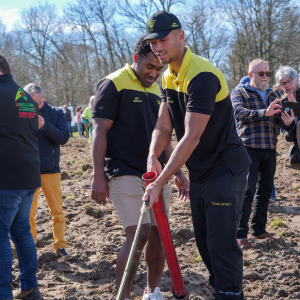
x: 178, y: 288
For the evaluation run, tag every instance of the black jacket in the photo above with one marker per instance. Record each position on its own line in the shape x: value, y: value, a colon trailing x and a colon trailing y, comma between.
x: 291, y: 136
x: 53, y: 134
x: 68, y: 115
x: 19, y: 154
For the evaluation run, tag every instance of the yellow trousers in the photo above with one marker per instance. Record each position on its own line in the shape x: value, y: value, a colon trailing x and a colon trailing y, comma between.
x: 52, y: 191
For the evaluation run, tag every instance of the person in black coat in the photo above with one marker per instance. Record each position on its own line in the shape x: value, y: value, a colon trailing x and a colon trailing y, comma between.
x: 67, y: 113
x: 53, y: 132
x: 19, y: 179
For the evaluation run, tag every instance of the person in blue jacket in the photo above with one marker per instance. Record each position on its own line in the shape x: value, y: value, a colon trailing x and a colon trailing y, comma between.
x: 53, y: 132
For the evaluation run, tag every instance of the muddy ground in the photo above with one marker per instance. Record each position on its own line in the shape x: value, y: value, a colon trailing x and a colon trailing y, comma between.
x: 94, y: 235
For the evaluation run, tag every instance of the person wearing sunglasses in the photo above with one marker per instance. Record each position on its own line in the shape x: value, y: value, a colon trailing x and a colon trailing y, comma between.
x: 256, y: 110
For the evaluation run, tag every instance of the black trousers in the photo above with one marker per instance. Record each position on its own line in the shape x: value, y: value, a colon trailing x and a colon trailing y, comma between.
x: 259, y: 189
x: 216, y: 210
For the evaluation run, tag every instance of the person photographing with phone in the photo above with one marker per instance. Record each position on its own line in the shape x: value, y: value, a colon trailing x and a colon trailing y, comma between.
x: 257, y: 113
x: 288, y: 79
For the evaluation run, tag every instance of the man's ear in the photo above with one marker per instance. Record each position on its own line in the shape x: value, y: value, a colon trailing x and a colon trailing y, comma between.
x: 136, y: 57
x: 181, y: 37
x: 250, y: 75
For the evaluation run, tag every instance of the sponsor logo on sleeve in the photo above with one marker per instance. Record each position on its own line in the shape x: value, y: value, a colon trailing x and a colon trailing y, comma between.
x: 169, y: 100
x: 20, y: 94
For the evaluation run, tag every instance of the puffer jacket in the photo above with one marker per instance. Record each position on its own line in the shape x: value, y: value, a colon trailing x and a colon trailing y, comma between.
x: 53, y: 134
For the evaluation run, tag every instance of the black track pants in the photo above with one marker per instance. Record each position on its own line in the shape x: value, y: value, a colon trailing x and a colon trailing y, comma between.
x: 216, y: 210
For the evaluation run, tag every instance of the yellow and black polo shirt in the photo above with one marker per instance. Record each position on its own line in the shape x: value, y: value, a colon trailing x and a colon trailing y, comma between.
x: 200, y: 87
x: 134, y: 109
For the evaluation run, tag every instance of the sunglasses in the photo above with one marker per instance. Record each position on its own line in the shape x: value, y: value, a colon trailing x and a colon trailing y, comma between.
x: 261, y: 73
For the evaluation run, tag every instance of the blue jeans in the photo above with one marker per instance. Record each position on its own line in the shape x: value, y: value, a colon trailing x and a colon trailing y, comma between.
x: 70, y: 128
x: 79, y: 124
x: 15, y: 208
x: 273, y: 194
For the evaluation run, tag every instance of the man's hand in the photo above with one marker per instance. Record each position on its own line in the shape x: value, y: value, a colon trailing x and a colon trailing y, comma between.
x: 291, y: 97
x: 183, y: 186
x: 287, y: 119
x: 88, y: 124
x: 153, y: 165
x: 153, y: 191
x: 100, y: 190
x: 41, y: 121
x: 273, y: 108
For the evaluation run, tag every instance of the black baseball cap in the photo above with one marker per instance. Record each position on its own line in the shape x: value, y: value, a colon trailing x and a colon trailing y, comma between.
x: 160, y: 24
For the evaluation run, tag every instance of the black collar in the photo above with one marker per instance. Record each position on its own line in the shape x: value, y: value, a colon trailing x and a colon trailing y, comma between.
x: 6, y: 77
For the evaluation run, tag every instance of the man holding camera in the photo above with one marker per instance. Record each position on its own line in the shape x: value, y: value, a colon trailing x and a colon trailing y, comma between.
x: 256, y: 110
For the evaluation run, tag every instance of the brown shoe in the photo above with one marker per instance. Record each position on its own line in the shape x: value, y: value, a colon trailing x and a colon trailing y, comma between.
x: 32, y: 294
x: 267, y: 235
x: 63, y: 254
x: 244, y: 244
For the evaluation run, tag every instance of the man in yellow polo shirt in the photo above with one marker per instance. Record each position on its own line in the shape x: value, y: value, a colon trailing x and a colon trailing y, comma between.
x: 196, y: 103
x: 125, y: 112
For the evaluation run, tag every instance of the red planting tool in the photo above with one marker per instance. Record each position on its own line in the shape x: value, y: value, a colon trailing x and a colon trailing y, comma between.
x: 178, y: 288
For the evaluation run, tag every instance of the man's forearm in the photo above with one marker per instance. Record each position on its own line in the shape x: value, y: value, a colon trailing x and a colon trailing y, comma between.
x: 160, y: 141
x: 98, y: 153
x: 179, y: 156
x: 168, y: 152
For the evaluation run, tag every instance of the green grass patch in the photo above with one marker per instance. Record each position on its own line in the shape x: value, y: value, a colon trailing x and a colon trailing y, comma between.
x: 276, y: 222
x: 248, y: 263
x: 198, y: 256
x: 70, y: 197
x: 282, y: 234
x: 62, y: 277
x: 73, y: 161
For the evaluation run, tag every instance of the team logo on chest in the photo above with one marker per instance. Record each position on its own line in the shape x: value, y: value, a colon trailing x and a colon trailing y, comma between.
x: 137, y: 99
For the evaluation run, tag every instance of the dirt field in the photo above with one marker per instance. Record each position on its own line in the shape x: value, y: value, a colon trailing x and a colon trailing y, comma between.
x: 94, y: 235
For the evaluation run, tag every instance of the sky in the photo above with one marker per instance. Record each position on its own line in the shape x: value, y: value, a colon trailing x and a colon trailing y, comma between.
x: 10, y: 9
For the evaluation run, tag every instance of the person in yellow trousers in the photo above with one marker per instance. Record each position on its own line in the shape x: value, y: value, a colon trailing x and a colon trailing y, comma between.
x: 53, y: 132
x: 87, y: 119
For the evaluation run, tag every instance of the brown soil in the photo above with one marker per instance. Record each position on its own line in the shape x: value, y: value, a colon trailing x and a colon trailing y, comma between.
x: 94, y: 235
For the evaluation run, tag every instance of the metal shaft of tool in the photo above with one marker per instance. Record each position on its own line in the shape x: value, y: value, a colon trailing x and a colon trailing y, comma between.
x: 132, y: 250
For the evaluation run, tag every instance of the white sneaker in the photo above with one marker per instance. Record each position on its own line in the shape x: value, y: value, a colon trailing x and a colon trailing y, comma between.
x: 156, y: 295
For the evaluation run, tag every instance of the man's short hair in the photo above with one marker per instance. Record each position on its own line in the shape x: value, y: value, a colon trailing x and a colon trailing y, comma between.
x: 285, y: 71
x: 4, y: 66
x: 32, y: 88
x: 142, y: 47
x: 254, y: 62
